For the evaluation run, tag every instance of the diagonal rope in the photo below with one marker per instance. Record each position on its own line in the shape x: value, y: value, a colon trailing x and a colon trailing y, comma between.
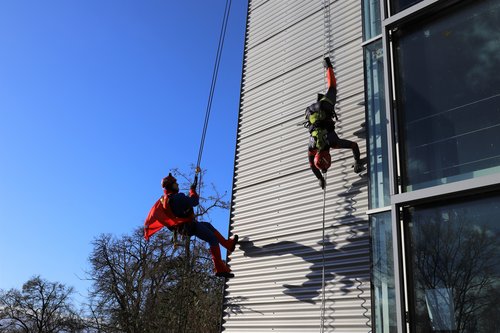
x: 215, y: 73
x: 187, y: 285
x: 214, y: 78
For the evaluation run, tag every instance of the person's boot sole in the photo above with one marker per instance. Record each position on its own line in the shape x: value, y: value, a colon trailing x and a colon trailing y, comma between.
x: 226, y: 275
x: 234, y: 244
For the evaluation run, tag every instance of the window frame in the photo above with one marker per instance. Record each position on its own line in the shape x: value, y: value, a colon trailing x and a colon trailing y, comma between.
x: 483, y: 185
x: 459, y: 198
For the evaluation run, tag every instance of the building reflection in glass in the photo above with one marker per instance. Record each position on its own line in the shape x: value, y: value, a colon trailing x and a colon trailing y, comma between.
x: 454, y: 266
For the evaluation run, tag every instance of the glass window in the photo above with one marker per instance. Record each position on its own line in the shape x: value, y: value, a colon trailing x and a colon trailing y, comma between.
x: 384, y: 304
x: 448, y: 96
x: 455, y: 266
x: 399, y: 5
x: 372, y: 24
x: 377, y: 126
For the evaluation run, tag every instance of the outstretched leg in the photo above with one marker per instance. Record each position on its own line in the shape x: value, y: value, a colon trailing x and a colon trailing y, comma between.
x: 229, y: 244
x: 331, y: 93
x: 338, y: 143
x: 205, y: 231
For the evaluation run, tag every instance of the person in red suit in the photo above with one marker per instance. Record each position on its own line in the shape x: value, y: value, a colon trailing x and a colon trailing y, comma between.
x: 174, y: 210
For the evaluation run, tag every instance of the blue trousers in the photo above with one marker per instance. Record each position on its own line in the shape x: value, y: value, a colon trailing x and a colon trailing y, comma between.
x: 202, y: 230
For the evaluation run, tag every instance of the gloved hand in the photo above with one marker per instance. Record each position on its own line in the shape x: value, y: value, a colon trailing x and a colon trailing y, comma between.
x: 195, y: 183
x: 322, y: 183
x: 327, y: 63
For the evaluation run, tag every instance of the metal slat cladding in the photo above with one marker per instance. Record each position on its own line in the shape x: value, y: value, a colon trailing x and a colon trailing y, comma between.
x: 277, y: 203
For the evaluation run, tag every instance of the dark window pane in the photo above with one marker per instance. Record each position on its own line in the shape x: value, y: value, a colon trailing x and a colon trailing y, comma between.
x: 448, y: 91
x: 384, y: 301
x: 377, y: 126
x: 372, y: 25
x: 399, y: 5
x: 454, y: 267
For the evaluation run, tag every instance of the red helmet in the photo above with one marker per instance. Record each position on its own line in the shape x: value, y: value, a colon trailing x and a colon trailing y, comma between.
x: 168, y: 181
x: 323, y: 160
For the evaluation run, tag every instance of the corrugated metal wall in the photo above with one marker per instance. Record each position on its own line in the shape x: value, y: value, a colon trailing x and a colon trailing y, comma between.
x: 277, y: 202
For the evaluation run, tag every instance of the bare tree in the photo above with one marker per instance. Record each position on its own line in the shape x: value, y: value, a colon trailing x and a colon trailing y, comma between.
x: 208, y: 201
x: 129, y: 275
x: 141, y: 286
x: 457, y: 255
x: 156, y: 286
x: 40, y: 306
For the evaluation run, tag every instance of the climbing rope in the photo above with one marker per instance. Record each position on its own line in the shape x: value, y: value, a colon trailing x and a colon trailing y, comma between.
x: 218, y: 56
x: 214, y: 78
x: 327, y: 46
x: 327, y: 34
x: 186, y: 285
x: 323, y: 302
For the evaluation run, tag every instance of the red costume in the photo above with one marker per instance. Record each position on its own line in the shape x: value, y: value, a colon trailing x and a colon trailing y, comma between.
x: 161, y: 216
x: 174, y: 210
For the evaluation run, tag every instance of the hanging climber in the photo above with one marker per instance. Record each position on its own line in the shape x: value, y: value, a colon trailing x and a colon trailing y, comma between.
x: 319, y: 121
x: 174, y: 210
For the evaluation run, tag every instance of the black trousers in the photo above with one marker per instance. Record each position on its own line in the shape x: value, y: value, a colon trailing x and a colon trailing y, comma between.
x: 334, y: 142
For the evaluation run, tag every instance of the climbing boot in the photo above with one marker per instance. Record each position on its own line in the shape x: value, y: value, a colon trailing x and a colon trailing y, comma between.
x: 326, y: 62
x: 358, y: 166
x: 229, y: 244
x: 220, y: 266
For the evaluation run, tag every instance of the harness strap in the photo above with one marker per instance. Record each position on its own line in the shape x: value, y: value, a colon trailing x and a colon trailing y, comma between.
x: 326, y: 99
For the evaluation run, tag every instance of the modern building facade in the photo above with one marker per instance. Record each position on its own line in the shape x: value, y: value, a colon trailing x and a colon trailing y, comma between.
x: 433, y: 111
x: 411, y: 245
x: 277, y: 205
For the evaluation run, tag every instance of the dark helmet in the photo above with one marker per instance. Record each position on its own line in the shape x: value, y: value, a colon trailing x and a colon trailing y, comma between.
x: 168, y: 181
x: 323, y: 160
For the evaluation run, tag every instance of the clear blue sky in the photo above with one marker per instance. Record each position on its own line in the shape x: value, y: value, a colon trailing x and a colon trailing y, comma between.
x: 98, y: 100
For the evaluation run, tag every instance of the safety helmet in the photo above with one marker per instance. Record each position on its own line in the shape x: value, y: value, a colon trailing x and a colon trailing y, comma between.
x: 323, y: 160
x: 168, y: 181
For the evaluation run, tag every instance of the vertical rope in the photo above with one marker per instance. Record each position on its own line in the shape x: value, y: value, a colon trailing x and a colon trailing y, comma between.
x: 326, y: 53
x: 327, y: 34
x: 323, y: 302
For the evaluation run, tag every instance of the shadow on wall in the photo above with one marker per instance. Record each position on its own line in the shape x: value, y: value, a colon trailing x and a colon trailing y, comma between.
x: 235, y: 306
x: 344, y: 215
x: 301, y: 292
x: 311, y: 288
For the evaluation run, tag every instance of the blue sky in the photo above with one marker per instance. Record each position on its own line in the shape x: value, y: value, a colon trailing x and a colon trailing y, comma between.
x: 98, y: 100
